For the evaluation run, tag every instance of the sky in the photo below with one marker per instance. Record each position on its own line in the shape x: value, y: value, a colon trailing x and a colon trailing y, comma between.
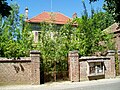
x: 67, y: 7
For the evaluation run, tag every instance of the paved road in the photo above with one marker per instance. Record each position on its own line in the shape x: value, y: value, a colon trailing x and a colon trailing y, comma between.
x: 105, y: 84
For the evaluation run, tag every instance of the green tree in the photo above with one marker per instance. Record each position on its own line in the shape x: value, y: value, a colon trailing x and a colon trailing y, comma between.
x: 89, y: 33
x: 4, y: 8
x: 16, y: 38
x: 89, y: 36
x: 112, y: 6
x: 50, y: 47
x: 104, y: 19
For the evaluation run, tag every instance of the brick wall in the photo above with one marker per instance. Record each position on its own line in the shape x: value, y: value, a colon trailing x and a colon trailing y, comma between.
x: 22, y: 71
x: 83, y: 69
x: 119, y: 60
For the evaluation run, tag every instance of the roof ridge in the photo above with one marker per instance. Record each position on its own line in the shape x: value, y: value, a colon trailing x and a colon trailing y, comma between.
x: 63, y: 15
x: 48, y: 15
x: 50, y: 12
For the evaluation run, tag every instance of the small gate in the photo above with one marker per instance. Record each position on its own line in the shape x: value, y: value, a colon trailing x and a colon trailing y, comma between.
x: 52, y: 71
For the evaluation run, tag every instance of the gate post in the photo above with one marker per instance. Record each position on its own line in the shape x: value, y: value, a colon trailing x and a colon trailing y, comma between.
x: 35, y: 67
x: 73, y: 61
x: 110, y: 66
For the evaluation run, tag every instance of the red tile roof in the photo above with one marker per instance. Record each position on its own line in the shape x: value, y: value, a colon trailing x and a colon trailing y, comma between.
x: 53, y: 17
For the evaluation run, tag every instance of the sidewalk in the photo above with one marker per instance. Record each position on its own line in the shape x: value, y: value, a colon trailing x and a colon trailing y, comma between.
x: 59, y: 85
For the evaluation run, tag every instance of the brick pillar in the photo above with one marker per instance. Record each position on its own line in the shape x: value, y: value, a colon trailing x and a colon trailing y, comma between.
x: 74, y: 66
x: 112, y: 71
x: 35, y: 67
x: 119, y: 60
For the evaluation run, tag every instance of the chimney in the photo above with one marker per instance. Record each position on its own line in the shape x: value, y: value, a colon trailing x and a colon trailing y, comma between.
x: 74, y: 15
x: 26, y: 13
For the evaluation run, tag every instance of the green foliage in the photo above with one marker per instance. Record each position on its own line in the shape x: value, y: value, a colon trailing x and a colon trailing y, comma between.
x: 89, y: 38
x: 15, y: 37
x: 112, y: 6
x: 51, y: 46
x: 89, y: 34
x: 4, y: 8
x: 102, y: 20
x: 116, y: 63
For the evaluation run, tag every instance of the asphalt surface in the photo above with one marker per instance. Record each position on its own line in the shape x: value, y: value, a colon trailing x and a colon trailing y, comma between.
x: 103, y: 84
x: 107, y: 86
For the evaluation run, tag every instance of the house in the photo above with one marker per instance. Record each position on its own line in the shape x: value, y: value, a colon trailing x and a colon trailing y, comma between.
x: 115, y: 30
x: 49, y: 17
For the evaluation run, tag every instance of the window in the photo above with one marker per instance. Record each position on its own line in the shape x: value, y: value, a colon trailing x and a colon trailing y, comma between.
x: 35, y: 27
x: 96, y: 68
x: 36, y: 36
